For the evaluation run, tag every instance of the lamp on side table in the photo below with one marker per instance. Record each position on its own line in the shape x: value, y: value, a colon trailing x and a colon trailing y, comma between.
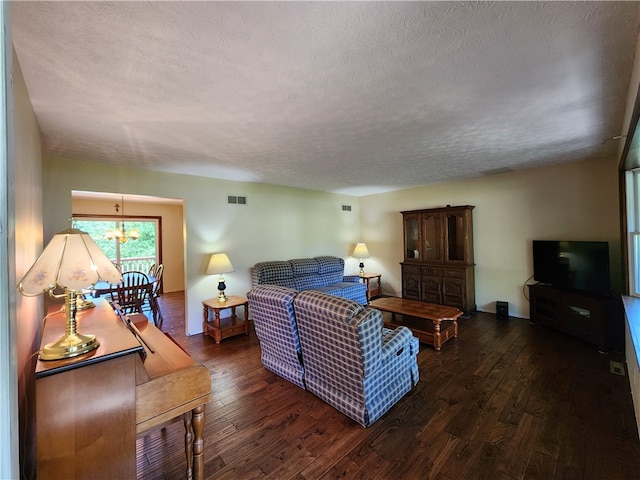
x: 219, y: 263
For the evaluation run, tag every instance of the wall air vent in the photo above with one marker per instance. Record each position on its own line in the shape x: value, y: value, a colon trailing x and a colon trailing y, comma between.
x: 236, y: 200
x: 346, y: 208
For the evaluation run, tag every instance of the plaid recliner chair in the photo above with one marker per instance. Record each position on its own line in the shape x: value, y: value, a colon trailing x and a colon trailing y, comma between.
x: 351, y: 361
x: 271, y: 308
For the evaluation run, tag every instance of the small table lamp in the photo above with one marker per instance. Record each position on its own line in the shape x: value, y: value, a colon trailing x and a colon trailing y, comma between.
x: 71, y: 261
x: 219, y: 263
x: 361, y: 252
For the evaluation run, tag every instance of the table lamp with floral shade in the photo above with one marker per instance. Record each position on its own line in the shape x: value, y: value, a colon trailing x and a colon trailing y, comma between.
x: 72, y: 262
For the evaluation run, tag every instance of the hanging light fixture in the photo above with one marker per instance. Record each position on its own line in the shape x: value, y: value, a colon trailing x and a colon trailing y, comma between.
x: 121, y: 233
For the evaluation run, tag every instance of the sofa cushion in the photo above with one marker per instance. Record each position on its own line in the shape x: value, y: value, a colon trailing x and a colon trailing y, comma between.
x: 307, y: 282
x: 349, y: 290
x: 273, y: 273
x: 328, y: 264
x: 304, y: 266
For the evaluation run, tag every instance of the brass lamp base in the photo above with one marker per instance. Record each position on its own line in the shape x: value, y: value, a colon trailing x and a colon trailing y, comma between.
x: 72, y: 343
x: 84, y: 304
x: 69, y: 346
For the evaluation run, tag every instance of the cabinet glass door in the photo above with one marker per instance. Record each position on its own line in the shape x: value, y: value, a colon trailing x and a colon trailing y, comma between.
x: 456, y: 237
x: 412, y: 237
x: 432, y: 236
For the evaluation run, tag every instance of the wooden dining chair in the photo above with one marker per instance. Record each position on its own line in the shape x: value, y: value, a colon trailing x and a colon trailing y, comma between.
x: 153, y: 296
x: 153, y: 269
x: 132, y: 292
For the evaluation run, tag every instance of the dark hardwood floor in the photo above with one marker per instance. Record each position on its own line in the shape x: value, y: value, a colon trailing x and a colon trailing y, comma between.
x: 504, y: 401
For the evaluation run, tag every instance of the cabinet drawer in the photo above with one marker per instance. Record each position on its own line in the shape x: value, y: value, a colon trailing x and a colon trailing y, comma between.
x: 431, y: 272
x: 453, y: 272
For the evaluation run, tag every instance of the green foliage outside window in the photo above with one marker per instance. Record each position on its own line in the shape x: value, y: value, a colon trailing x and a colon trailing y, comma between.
x: 145, y: 246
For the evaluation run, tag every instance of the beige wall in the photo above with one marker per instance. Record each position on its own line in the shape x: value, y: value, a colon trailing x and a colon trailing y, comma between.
x: 576, y: 201
x: 28, y: 246
x: 172, y: 233
x: 573, y: 201
x: 277, y: 223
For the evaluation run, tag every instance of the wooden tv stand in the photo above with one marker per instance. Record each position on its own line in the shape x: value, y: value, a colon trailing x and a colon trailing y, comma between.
x: 591, y: 318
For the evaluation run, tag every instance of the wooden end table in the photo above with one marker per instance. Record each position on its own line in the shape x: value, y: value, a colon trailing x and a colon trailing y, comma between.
x: 373, y: 290
x: 425, y: 320
x: 220, y: 328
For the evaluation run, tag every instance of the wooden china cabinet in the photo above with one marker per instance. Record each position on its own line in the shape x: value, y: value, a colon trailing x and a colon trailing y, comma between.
x: 438, y: 256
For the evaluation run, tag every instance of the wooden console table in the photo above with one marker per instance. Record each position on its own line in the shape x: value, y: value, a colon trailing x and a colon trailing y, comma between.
x: 425, y: 320
x: 221, y: 328
x: 90, y: 408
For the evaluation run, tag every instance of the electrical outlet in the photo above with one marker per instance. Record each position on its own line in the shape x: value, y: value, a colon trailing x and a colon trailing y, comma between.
x: 616, y: 367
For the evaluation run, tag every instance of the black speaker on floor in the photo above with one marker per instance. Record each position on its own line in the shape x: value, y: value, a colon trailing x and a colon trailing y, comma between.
x: 502, y: 310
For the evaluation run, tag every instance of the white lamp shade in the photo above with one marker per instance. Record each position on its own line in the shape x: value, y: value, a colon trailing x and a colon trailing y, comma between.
x: 361, y: 251
x: 72, y: 261
x: 219, y: 263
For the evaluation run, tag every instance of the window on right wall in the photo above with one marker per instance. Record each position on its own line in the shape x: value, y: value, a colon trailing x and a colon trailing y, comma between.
x: 632, y: 179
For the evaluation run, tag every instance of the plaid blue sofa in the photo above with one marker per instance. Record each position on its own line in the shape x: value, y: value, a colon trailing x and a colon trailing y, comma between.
x: 323, y: 274
x: 271, y: 310
x: 351, y: 361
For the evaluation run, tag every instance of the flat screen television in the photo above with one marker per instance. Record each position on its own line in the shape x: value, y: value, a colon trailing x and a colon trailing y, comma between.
x: 573, y: 265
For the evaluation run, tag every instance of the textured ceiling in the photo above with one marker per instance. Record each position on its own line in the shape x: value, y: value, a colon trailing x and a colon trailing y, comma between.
x: 349, y: 97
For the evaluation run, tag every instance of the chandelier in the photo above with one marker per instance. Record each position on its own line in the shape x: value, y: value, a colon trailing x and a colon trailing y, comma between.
x: 121, y: 233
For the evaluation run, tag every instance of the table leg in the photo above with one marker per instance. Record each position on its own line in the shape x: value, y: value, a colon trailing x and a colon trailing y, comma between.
x: 188, y: 443
x: 437, y: 339
x: 198, y: 442
x: 217, y: 333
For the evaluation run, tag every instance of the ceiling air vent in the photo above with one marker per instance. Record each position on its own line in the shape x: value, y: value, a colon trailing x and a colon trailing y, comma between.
x: 236, y: 200
x: 497, y: 171
x: 346, y: 208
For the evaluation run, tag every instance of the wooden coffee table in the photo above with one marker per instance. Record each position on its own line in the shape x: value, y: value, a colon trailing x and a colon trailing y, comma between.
x: 425, y: 320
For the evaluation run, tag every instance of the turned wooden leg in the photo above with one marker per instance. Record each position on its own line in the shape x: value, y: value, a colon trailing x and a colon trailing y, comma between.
x: 217, y: 333
x: 437, y: 339
x: 198, y: 443
x: 206, y: 319
x: 188, y: 443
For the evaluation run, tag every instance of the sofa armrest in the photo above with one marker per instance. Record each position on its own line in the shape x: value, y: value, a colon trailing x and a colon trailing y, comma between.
x: 395, y: 341
x: 351, y: 278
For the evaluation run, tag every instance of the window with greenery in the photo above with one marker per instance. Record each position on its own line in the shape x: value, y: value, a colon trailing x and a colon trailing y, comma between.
x: 137, y: 254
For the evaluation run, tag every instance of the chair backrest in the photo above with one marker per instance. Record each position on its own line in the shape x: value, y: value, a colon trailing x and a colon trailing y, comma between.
x: 130, y: 294
x: 341, y: 340
x: 159, y: 270
x: 271, y: 308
